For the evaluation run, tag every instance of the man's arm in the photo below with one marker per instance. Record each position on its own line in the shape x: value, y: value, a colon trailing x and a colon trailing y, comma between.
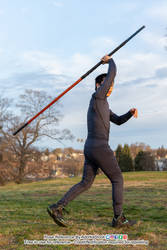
x: 104, y: 88
x: 123, y: 118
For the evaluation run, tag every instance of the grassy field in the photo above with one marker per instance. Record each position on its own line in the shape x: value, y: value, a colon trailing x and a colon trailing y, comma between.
x: 23, y: 211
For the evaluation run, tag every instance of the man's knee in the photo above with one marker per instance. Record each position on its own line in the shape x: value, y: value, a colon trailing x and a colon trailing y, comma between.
x: 86, y: 183
x: 121, y: 177
x: 117, y: 177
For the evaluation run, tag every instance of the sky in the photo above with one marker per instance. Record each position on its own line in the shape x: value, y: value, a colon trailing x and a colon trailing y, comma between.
x: 47, y: 45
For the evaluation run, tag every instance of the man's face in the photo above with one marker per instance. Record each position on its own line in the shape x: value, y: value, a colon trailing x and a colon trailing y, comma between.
x: 110, y: 90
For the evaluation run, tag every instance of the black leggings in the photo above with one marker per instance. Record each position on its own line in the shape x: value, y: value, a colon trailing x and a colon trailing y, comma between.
x: 104, y: 159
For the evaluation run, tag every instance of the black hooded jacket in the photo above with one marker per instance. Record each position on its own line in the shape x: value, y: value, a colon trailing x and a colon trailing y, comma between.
x: 99, y: 115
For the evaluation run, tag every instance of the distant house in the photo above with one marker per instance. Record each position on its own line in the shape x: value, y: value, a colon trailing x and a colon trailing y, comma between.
x: 53, y: 157
x: 59, y: 157
x: 161, y: 163
x: 51, y: 164
x: 44, y: 157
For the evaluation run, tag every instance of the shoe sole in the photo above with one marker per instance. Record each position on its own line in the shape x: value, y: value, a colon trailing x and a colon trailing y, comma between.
x: 56, y: 220
x: 125, y: 225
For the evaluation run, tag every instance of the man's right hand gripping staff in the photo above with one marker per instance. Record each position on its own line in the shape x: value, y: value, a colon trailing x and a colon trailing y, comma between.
x: 109, y: 79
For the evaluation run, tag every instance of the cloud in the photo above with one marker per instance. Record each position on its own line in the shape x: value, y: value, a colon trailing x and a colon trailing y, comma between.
x: 159, y: 74
x: 141, y: 82
x: 37, y: 80
x: 158, y: 11
x: 102, y: 45
x: 137, y: 73
x: 162, y: 72
x: 2, y: 11
x: 58, y: 4
x: 43, y: 60
x: 154, y: 40
x: 139, y: 65
x: 25, y: 10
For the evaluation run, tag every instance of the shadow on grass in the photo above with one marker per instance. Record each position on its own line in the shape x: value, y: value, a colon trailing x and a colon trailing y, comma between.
x: 89, y: 221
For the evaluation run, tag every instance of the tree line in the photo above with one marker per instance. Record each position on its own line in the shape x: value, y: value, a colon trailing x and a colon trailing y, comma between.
x: 19, y: 155
x: 137, y: 157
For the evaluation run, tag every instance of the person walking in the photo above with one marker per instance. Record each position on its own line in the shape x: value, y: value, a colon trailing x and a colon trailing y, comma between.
x: 97, y: 151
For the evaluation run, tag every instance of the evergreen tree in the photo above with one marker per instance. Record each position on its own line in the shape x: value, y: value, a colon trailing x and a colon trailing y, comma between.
x: 144, y: 161
x: 127, y: 162
x: 118, y: 152
x: 124, y: 158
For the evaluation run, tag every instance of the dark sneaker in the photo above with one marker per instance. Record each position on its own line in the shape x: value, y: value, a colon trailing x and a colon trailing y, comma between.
x: 121, y: 221
x: 56, y: 212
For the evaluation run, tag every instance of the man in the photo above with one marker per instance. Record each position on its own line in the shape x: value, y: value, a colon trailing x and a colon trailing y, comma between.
x: 98, y: 153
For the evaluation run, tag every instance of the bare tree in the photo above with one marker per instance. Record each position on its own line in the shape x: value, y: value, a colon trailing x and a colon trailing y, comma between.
x: 135, y: 148
x: 20, y: 147
x: 161, y: 151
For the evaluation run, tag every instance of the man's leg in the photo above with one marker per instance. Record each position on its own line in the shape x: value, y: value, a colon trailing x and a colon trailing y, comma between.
x: 107, y: 162
x: 56, y: 210
x: 89, y: 173
x: 105, y: 159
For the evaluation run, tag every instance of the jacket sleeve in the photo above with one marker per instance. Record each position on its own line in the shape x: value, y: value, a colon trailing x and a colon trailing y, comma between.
x: 120, y: 119
x: 104, y: 88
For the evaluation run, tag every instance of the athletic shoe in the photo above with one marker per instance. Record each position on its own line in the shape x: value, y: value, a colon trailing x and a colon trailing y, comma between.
x: 121, y: 221
x: 56, y: 212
